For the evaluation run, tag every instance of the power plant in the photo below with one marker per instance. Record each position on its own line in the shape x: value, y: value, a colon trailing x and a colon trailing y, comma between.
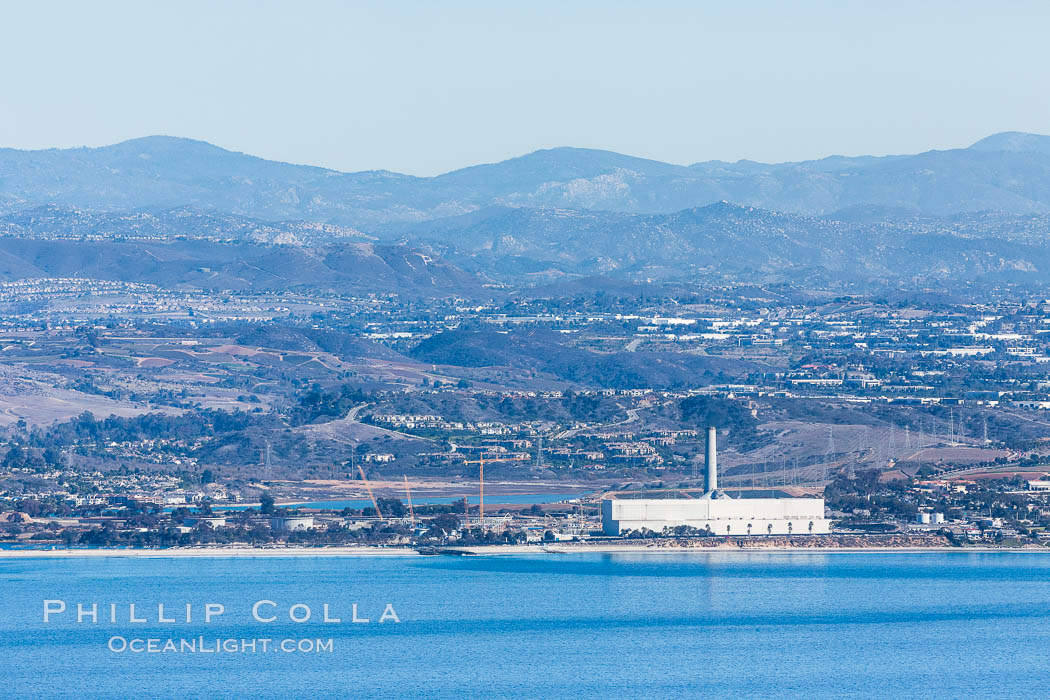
x: 715, y: 511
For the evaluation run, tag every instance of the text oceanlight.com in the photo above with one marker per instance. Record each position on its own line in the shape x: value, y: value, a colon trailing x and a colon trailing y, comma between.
x: 218, y: 645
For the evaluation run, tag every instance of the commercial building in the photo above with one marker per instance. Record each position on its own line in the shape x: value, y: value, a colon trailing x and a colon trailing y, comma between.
x: 289, y: 523
x: 715, y: 511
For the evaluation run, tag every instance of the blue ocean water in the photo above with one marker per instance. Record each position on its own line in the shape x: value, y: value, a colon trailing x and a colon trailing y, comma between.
x: 942, y: 625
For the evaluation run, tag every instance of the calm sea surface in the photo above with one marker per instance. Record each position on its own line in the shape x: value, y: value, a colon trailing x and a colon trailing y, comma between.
x: 551, y: 626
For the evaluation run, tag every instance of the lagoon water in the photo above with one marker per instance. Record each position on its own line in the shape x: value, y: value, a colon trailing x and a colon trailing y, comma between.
x: 808, y: 625
x: 493, y: 500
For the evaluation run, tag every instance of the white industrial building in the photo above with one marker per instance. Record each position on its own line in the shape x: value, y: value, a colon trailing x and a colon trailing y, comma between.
x: 723, y: 516
x: 715, y: 511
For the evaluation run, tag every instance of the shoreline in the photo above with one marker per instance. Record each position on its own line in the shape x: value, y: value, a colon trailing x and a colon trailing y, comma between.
x: 496, y: 550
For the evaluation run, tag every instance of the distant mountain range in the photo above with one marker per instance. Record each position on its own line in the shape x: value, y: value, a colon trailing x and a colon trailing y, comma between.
x: 725, y: 242
x: 978, y: 213
x: 1006, y: 172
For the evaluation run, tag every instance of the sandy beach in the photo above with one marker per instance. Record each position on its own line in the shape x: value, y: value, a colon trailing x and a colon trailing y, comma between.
x: 499, y: 550
x: 199, y: 552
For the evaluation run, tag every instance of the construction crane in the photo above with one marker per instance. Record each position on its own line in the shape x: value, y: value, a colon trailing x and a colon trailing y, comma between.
x: 408, y: 495
x: 481, y: 462
x: 368, y: 487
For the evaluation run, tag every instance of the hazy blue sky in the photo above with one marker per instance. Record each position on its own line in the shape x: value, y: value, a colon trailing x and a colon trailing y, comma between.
x: 424, y: 87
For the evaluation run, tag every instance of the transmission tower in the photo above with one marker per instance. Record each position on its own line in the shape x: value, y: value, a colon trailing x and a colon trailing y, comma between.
x: 828, y: 456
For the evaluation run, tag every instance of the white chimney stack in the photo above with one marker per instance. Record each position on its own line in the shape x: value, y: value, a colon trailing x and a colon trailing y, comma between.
x: 711, y: 477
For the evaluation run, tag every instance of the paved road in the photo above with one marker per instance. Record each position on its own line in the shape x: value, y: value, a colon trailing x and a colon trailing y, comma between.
x: 332, y: 428
x: 632, y: 416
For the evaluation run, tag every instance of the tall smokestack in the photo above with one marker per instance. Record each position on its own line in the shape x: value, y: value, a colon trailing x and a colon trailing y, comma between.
x: 711, y: 477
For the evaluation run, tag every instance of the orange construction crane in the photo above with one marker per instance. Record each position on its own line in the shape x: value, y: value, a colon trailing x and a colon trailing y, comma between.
x: 408, y: 494
x: 368, y: 487
x: 481, y: 461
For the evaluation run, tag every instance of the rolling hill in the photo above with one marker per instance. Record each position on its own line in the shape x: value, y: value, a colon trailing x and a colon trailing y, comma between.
x: 548, y: 352
x: 216, y: 266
